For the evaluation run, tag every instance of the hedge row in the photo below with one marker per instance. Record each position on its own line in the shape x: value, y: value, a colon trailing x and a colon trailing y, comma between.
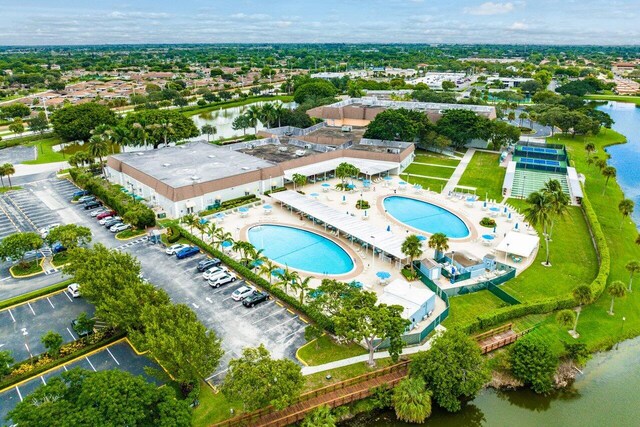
x: 10, y: 380
x: 548, y: 305
x: 315, y: 315
x: 35, y: 294
x: 112, y: 196
x: 230, y: 204
x: 275, y: 190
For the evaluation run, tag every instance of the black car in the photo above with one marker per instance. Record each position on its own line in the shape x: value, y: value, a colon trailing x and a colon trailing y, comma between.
x: 206, y: 264
x: 81, y: 333
x: 92, y: 205
x: 87, y: 199
x: 255, y: 298
x: 112, y: 222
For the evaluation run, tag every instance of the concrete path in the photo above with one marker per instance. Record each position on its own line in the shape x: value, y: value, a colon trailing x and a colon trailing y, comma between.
x: 308, y: 370
x: 457, y: 174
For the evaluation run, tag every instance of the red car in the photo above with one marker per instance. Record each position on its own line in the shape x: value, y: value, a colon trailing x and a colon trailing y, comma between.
x: 105, y: 214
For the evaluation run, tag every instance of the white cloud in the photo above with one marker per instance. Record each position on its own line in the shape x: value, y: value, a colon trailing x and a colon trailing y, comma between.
x: 518, y: 26
x: 490, y: 8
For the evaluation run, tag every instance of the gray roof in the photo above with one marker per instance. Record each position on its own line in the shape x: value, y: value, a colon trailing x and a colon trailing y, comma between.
x: 193, y: 162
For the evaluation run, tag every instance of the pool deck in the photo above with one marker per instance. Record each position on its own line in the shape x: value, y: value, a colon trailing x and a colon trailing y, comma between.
x: 366, y: 265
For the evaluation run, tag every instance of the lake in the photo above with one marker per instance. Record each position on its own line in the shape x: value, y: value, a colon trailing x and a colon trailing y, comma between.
x: 223, y: 119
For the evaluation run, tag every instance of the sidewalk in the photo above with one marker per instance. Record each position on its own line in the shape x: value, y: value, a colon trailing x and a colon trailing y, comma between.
x: 308, y: 370
x: 457, y: 174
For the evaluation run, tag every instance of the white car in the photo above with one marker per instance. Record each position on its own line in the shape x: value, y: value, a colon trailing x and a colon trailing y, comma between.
x: 74, y: 290
x: 44, y: 231
x: 171, y: 250
x: 214, y: 271
x: 97, y: 212
x: 222, y: 280
x: 119, y: 227
x: 106, y: 219
x: 240, y: 293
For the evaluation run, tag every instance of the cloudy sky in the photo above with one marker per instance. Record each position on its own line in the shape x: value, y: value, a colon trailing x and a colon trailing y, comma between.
x: 33, y: 22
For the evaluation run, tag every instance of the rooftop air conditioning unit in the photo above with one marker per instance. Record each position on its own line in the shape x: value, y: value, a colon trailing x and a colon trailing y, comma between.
x: 347, y: 128
x: 166, y: 165
x: 307, y: 146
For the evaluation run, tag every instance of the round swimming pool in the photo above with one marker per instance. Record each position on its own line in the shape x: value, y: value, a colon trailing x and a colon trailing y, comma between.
x: 300, y: 249
x: 426, y: 216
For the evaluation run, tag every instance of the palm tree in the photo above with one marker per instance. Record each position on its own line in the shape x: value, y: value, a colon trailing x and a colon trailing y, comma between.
x: 412, y: 400
x: 608, y: 172
x: 298, y: 180
x: 278, y: 110
x: 166, y: 128
x: 511, y: 116
x: 253, y: 114
x: 439, y: 242
x: 267, y: 268
x: 98, y: 147
x: 590, y: 147
x: 303, y: 287
x: 523, y: 116
x: 140, y: 131
x: 583, y: 296
x: 558, y: 200
x: 626, y: 208
x: 601, y: 163
x: 566, y: 318
x: 121, y: 135
x: 616, y: 289
x: 532, y: 118
x: 211, y: 230
x: 8, y: 170
x: 221, y: 237
x: 191, y: 220
x: 256, y: 258
x: 2, y: 174
x: 632, y: 267
x: 209, y: 130
x: 201, y: 226
x: 412, y: 247
x: 287, y: 278
x: 590, y: 161
x: 539, y: 212
x: 267, y: 114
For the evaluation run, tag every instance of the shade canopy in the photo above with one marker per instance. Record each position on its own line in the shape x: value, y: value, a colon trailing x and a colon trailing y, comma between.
x: 519, y: 244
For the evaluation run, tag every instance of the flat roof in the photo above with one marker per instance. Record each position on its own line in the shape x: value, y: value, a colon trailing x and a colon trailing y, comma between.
x: 194, y: 162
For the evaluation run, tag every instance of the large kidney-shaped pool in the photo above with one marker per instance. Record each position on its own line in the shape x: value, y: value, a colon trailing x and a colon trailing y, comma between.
x: 426, y: 216
x: 300, y: 249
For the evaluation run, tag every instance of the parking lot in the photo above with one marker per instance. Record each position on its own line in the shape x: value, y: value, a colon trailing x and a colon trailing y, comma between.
x: 37, y: 317
x: 269, y: 323
x: 118, y: 355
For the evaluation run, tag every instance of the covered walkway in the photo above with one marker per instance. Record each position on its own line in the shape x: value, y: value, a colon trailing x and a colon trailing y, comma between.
x: 356, y: 229
x: 367, y: 167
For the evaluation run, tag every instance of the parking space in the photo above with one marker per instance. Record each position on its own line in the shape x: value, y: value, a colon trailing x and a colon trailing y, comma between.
x: 119, y: 355
x: 7, y: 226
x: 22, y: 326
x: 29, y: 210
x: 269, y: 323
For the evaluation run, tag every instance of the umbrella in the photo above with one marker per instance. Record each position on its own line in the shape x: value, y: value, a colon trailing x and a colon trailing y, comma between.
x: 484, y: 205
x: 314, y: 194
x: 516, y: 227
x: 351, y: 186
x: 326, y: 185
x: 422, y: 238
x: 227, y: 244
x: 383, y: 274
x: 277, y: 272
x: 387, y: 178
x: 388, y: 228
x: 243, y: 209
x: 356, y: 284
x: 402, y: 183
x: 315, y: 293
x: 471, y: 199
x: 366, y: 181
x: 509, y: 216
x: 267, y: 207
x: 219, y: 215
x: 344, y: 198
x: 494, y: 230
x: 487, y: 237
x: 203, y: 221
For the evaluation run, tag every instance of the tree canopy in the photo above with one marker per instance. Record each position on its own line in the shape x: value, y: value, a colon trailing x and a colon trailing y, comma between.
x: 69, y: 235
x: 155, y: 127
x: 76, y: 122
x: 534, y: 363
x: 15, y: 246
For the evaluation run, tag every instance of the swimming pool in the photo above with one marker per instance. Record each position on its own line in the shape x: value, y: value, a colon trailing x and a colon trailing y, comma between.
x: 426, y: 216
x: 300, y: 249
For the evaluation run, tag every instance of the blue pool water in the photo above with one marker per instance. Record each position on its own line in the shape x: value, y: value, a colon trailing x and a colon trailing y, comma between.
x: 425, y: 216
x: 300, y: 249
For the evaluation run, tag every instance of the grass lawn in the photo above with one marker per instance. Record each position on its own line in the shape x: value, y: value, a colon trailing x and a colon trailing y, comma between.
x: 325, y: 350
x: 7, y: 189
x: 30, y: 268
x: 213, y: 408
x: 484, y: 173
x: 60, y: 258
x: 433, y: 184
x: 45, y: 152
x: 465, y: 308
x: 573, y: 260
x: 436, y: 159
x: 434, y: 171
x: 318, y: 380
x: 621, y: 98
x: 126, y: 234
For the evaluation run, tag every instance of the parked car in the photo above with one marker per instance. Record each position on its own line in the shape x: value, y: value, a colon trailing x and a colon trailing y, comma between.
x: 97, y: 212
x: 255, y: 298
x: 74, y: 290
x: 56, y: 248
x: 105, y: 220
x: 187, y: 252
x: 206, y: 264
x: 113, y: 221
x: 80, y: 193
x: 105, y: 214
x: 85, y: 199
x: 44, y: 231
x: 242, y: 292
x: 214, y: 271
x: 81, y: 333
x: 119, y: 227
x: 171, y: 250
x: 92, y: 205
x: 222, y: 280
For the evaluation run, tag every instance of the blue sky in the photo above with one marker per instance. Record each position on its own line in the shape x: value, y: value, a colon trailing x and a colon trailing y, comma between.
x: 399, y: 21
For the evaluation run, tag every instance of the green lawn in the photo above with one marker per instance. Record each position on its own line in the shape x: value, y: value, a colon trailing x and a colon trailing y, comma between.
x: 126, y: 234
x: 318, y: 380
x: 28, y: 269
x: 7, y: 189
x: 325, y: 350
x: 465, y: 308
x: 45, y: 152
x: 484, y: 173
x: 436, y: 159
x: 433, y: 171
x: 621, y: 98
x: 573, y: 260
x: 433, y: 184
x: 214, y: 407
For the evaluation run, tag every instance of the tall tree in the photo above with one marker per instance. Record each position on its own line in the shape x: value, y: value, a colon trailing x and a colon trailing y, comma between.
x: 99, y: 147
x: 158, y: 127
x: 453, y: 369
x: 412, y: 248
x: 209, y: 130
x: 39, y: 124
x: 608, y: 172
x: 583, y: 296
x: 75, y: 122
x: 589, y: 147
x: 298, y: 180
x: 616, y: 289
x: 257, y: 380
x: 633, y: 267
x: 412, y: 401
x: 626, y: 208
x: 7, y: 170
x: 69, y: 235
x: 15, y: 246
x: 439, y: 242
x: 534, y: 363
x: 52, y: 341
x: 538, y: 212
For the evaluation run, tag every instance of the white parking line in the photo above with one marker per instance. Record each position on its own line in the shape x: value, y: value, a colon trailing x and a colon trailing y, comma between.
x: 292, y: 333
x: 14, y: 319
x: 280, y: 324
x: 19, y: 394
x: 71, y: 333
x: 28, y: 349
x: 272, y: 314
x: 253, y: 310
x: 29, y: 304
x: 52, y: 306
x: 65, y: 367
x: 114, y: 358
x: 229, y: 297
x: 5, y: 278
x: 43, y: 381
x: 67, y: 295
x: 92, y: 367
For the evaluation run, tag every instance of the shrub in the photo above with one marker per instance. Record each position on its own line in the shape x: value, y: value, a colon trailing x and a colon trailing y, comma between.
x: 173, y: 234
x: 488, y: 222
x: 533, y: 362
x: 362, y: 204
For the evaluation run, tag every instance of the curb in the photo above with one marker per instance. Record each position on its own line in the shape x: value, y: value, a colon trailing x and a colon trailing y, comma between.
x: 28, y: 275
x: 123, y: 239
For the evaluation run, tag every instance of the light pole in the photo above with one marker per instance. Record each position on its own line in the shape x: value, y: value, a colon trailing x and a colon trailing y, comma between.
x: 373, y: 252
x: 506, y: 254
x: 621, y: 332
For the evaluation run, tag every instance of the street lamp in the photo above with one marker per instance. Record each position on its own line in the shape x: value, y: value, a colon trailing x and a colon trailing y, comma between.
x: 621, y: 332
x: 373, y: 252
